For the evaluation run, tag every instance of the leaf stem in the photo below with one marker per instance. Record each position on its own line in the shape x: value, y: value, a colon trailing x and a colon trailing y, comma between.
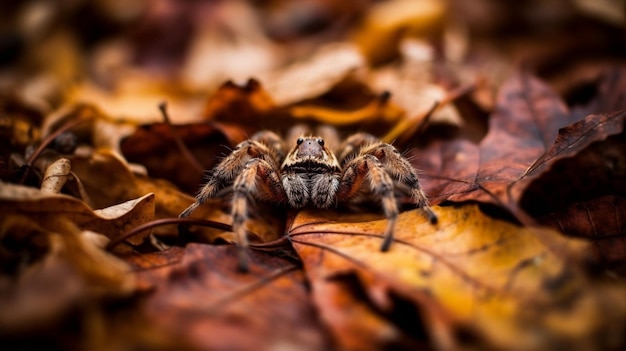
x: 46, y: 141
x: 193, y: 161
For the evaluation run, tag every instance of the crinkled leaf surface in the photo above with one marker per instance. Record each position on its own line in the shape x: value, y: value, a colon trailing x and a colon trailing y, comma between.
x: 522, y: 128
x: 53, y: 209
x: 496, y: 282
x: 198, y: 294
x: 154, y: 147
x: 537, y: 159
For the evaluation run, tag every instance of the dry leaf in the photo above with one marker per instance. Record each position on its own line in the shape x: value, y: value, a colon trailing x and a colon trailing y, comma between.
x: 56, y: 209
x: 196, y: 294
x: 381, y: 111
x: 222, y: 48
x: 315, y: 76
x: 495, y: 280
x: 388, y: 22
x: 523, y: 127
x: 56, y: 176
x: 154, y: 147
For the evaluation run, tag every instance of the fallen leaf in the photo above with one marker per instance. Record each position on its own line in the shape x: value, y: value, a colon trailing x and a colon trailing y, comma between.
x: 197, y: 294
x: 389, y: 22
x: 95, y: 128
x: 109, y: 181
x: 56, y: 209
x: 240, y: 109
x: 381, y: 111
x: 314, y: 76
x: 588, y: 154
x: 495, y: 282
x: 154, y: 147
x: 413, y: 87
x: 56, y: 176
x: 599, y: 220
x: 523, y: 127
x: 531, y: 147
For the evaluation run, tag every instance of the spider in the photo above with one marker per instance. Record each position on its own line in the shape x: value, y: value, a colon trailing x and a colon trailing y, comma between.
x: 305, y: 171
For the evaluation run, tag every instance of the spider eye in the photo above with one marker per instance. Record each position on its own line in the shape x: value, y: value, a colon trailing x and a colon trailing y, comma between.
x: 299, y: 141
x: 320, y: 141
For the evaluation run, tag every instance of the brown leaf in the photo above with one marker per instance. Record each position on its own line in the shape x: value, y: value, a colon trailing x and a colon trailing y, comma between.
x: 523, y: 127
x: 109, y: 181
x: 314, y: 76
x: 52, y: 210
x: 496, y: 283
x: 599, y: 220
x: 381, y: 111
x: 516, y: 165
x: 609, y: 92
x: 197, y: 293
x: 154, y: 147
x: 58, y: 280
x: 56, y: 176
x: 240, y: 107
x: 96, y: 129
x: 589, y: 154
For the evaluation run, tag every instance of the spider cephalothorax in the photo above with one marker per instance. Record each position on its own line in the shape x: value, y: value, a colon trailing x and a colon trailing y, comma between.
x: 304, y: 171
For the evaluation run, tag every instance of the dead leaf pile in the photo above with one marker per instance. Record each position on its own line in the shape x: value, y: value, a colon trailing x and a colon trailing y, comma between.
x: 112, y: 112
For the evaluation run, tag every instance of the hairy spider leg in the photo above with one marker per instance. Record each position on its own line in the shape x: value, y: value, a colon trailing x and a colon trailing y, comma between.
x: 353, y: 155
x: 258, y: 180
x: 261, y: 153
x: 351, y: 146
x: 403, y: 172
x: 225, y: 172
x: 369, y: 168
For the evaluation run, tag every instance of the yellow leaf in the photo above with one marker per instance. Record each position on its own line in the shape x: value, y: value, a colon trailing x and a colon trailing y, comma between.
x: 388, y: 22
x: 381, y: 110
x: 515, y: 287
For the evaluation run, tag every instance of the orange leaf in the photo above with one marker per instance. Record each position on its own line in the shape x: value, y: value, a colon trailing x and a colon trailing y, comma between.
x: 198, y: 294
x: 502, y: 283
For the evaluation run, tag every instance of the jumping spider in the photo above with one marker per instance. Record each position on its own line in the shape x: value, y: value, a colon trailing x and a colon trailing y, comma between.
x: 304, y: 171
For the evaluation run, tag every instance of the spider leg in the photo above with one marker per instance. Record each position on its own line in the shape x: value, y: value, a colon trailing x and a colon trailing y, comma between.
x: 403, y: 172
x: 369, y: 168
x: 225, y: 172
x: 258, y: 180
x: 353, y: 144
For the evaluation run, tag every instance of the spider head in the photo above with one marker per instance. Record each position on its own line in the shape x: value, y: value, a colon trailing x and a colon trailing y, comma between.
x: 310, y: 147
x: 311, y: 151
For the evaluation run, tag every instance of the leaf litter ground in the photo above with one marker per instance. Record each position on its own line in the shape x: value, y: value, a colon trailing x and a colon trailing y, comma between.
x: 527, y: 173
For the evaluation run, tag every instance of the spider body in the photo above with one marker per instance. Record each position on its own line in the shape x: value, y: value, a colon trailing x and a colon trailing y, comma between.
x: 316, y: 171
